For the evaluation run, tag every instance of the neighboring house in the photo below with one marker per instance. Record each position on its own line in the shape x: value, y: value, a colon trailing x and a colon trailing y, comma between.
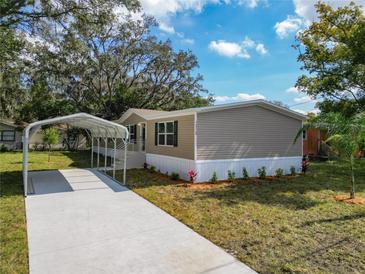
x: 313, y: 139
x: 10, y: 135
x: 219, y: 138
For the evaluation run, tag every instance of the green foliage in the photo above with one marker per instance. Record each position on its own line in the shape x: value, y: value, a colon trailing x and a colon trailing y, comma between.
x: 214, y: 178
x: 346, y: 136
x: 152, y: 168
x: 50, y: 137
x: 262, y: 172
x: 231, y: 175
x: 175, y: 176
x: 279, y: 172
x: 332, y: 52
x: 3, y: 148
x: 293, y: 171
x: 244, y: 173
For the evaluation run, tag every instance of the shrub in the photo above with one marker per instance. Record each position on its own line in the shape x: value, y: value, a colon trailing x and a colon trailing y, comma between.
x: 214, y: 178
x: 244, y: 174
x: 145, y: 165
x: 153, y: 168
x: 3, y: 148
x: 192, y: 175
x: 293, y: 171
x: 279, y: 172
x: 175, y: 176
x: 262, y: 172
x: 231, y: 175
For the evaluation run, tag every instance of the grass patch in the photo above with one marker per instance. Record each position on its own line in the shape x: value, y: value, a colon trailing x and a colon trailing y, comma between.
x: 13, y: 234
x: 283, y: 226
x: 286, y: 225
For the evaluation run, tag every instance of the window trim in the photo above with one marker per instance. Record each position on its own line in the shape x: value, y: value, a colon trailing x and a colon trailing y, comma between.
x: 7, y: 130
x: 165, y: 133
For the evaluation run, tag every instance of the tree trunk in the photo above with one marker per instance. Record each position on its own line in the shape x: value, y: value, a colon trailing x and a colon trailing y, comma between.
x: 352, y: 193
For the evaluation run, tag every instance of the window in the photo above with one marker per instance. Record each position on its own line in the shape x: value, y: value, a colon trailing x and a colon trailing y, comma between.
x: 132, y: 133
x: 166, y: 134
x: 304, y: 135
x: 8, y: 135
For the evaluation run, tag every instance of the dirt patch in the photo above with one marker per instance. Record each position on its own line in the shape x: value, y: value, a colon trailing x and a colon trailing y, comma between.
x: 347, y: 199
x: 203, y: 186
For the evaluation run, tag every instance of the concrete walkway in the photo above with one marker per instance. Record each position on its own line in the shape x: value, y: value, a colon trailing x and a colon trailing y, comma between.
x: 80, y: 221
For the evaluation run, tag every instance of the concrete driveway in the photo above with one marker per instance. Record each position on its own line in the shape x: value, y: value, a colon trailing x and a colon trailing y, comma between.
x: 80, y: 221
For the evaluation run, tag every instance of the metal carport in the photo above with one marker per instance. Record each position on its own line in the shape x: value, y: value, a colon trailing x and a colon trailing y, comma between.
x: 96, y: 127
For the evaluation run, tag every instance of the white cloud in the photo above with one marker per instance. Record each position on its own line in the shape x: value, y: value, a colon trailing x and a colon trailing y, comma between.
x: 233, y: 49
x: 304, y: 99
x: 229, y: 49
x: 288, y: 26
x: 305, y: 13
x: 188, y: 41
x: 251, y: 3
x: 166, y: 27
x: 163, y: 10
x: 292, y: 90
x: 239, y: 97
x: 305, y: 112
x: 260, y: 48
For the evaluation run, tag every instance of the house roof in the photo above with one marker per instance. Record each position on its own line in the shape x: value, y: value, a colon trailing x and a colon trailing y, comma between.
x: 142, y: 112
x: 150, y: 115
x: 8, y: 123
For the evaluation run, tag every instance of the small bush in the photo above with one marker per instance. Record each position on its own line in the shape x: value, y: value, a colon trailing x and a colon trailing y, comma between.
x: 262, y: 172
x: 293, y: 171
x: 231, y: 175
x: 175, y: 176
x: 279, y: 172
x: 244, y: 174
x: 145, y: 165
x: 214, y: 178
x: 153, y: 168
x: 3, y: 148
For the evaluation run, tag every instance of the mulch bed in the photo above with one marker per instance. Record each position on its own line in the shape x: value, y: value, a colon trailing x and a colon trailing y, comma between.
x: 347, y: 199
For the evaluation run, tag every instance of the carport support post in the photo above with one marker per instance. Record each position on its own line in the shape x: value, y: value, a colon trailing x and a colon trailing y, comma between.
x: 25, y: 160
x: 125, y: 161
x: 92, y: 151
x: 106, y: 153
x: 97, y: 160
x: 115, y: 149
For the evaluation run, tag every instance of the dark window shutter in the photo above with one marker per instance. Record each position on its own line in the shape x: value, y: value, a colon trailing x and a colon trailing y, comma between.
x: 135, y: 132
x: 175, y: 133
x: 156, y: 135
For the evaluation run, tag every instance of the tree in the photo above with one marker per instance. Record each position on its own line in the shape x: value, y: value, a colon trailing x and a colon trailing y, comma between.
x: 332, y: 52
x: 346, y: 137
x: 108, y: 65
x: 50, y: 137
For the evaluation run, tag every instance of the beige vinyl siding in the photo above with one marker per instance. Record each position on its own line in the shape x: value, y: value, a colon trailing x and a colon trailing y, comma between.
x: 185, y: 148
x: 246, y: 132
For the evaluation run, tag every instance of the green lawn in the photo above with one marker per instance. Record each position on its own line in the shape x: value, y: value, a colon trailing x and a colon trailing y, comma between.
x: 286, y: 226
x: 292, y: 226
x: 13, y: 237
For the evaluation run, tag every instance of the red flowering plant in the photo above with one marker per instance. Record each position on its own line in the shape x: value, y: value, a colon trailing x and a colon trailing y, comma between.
x: 192, y: 175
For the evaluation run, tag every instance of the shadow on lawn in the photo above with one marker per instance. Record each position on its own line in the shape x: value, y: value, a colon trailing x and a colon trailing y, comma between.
x: 11, y: 184
x: 345, y: 218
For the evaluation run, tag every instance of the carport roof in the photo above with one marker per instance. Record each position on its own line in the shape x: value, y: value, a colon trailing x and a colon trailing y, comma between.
x: 97, y: 126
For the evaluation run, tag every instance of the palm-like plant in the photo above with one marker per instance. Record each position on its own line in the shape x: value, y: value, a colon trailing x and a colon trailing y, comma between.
x: 345, y: 137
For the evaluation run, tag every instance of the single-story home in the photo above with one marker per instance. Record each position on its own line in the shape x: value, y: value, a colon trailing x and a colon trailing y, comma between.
x: 10, y: 135
x: 217, y: 138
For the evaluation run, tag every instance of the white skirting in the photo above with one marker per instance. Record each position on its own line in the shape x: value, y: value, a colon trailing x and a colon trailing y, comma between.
x: 171, y: 164
x: 205, y: 168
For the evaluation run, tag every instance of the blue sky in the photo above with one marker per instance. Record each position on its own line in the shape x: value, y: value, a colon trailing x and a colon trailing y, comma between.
x: 243, y: 46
